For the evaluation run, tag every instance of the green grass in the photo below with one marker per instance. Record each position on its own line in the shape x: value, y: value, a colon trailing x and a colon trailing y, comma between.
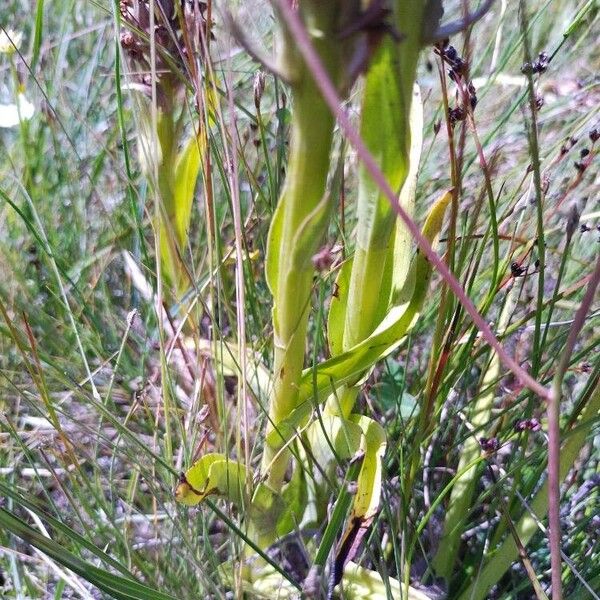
x: 101, y: 407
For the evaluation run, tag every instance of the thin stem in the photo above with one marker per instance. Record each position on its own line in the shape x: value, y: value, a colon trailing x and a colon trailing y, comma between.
x: 554, y: 434
x: 537, y: 181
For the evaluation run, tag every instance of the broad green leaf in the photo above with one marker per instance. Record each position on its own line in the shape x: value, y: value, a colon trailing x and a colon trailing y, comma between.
x: 329, y: 434
x: 360, y: 583
x: 187, y: 169
x: 387, y: 117
x: 385, y: 131
x: 295, y: 498
x: 399, y: 253
x: 368, y: 492
x: 212, y: 474
x: 215, y: 474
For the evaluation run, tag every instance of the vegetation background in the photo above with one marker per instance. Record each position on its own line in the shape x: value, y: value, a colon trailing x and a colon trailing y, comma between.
x: 103, y: 399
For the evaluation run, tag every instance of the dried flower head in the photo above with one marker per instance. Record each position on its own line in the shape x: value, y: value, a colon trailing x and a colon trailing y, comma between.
x: 176, y: 26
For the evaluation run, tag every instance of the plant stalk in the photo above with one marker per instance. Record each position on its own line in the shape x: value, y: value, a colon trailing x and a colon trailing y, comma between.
x: 298, y: 229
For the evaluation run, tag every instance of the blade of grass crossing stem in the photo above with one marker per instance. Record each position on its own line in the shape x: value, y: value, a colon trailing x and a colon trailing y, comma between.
x: 385, y: 129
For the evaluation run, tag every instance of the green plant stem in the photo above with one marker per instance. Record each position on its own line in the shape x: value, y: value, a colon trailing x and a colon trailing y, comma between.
x: 308, y: 166
x: 395, y: 67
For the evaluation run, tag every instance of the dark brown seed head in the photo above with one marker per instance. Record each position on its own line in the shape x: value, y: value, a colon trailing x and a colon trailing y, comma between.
x: 457, y: 114
x: 127, y: 39
x: 516, y: 269
x: 489, y: 444
x: 526, y: 68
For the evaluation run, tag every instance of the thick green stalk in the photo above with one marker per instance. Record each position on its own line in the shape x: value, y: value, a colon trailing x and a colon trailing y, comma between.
x: 527, y: 526
x: 298, y: 225
x: 385, y: 128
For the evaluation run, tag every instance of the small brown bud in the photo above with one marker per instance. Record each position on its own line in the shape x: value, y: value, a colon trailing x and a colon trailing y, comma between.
x: 489, y: 444
x: 259, y: 88
x: 127, y: 39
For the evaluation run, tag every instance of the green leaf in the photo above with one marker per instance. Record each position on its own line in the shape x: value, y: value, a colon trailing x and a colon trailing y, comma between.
x: 216, y: 475
x: 350, y: 365
x: 330, y: 434
x: 362, y: 583
x: 187, y: 168
x: 385, y: 131
x: 213, y: 474
x: 389, y: 392
x: 295, y: 498
x: 273, y: 249
x: 401, y: 256
x: 368, y: 492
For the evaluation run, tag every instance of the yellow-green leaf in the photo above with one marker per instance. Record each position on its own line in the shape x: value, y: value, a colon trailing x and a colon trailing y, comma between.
x: 337, y: 309
x: 368, y: 491
x: 212, y: 474
x: 187, y: 169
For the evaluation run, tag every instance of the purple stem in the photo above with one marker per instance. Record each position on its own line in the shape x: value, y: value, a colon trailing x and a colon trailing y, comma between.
x: 554, y: 434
